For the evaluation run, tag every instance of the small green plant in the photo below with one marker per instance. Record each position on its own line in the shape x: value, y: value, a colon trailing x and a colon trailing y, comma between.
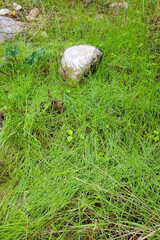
x: 155, y: 136
x: 11, y: 52
x: 70, y: 137
x: 34, y: 57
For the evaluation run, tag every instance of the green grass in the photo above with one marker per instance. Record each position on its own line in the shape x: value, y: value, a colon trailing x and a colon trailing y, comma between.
x: 104, y: 183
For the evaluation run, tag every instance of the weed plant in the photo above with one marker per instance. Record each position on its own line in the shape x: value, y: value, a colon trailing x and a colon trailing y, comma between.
x: 90, y: 171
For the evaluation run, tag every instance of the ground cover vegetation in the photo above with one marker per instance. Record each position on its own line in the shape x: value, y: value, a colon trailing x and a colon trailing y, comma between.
x: 89, y: 170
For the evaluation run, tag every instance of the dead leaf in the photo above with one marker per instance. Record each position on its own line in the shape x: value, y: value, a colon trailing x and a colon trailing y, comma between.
x: 34, y: 15
x: 13, y: 13
x: 59, y: 106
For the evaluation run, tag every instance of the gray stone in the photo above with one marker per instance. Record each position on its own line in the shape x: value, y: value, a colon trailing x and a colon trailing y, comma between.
x: 17, y: 7
x: 8, y: 28
x: 78, y: 61
x: 4, y: 11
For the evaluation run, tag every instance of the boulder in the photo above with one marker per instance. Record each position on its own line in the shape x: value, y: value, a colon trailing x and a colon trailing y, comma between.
x: 9, y: 27
x: 78, y: 61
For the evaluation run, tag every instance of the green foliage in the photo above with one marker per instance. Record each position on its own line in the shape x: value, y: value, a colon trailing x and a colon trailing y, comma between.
x: 34, y: 57
x: 11, y: 52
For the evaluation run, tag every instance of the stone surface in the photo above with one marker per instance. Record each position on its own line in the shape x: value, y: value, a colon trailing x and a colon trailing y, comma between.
x: 78, y: 60
x: 8, y: 28
x: 17, y: 7
x: 4, y: 12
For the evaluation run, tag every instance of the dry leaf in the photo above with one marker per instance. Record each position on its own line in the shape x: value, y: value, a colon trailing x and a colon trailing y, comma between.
x: 17, y: 7
x: 119, y: 5
x: 13, y: 13
x: 59, y: 106
x: 33, y: 15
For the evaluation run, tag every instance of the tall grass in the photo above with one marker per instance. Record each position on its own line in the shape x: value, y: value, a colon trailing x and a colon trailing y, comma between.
x: 104, y: 183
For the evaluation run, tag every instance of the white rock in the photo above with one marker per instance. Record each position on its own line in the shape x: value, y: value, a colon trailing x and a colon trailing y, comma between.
x: 4, y: 12
x: 78, y: 60
x: 17, y: 7
x: 9, y: 27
